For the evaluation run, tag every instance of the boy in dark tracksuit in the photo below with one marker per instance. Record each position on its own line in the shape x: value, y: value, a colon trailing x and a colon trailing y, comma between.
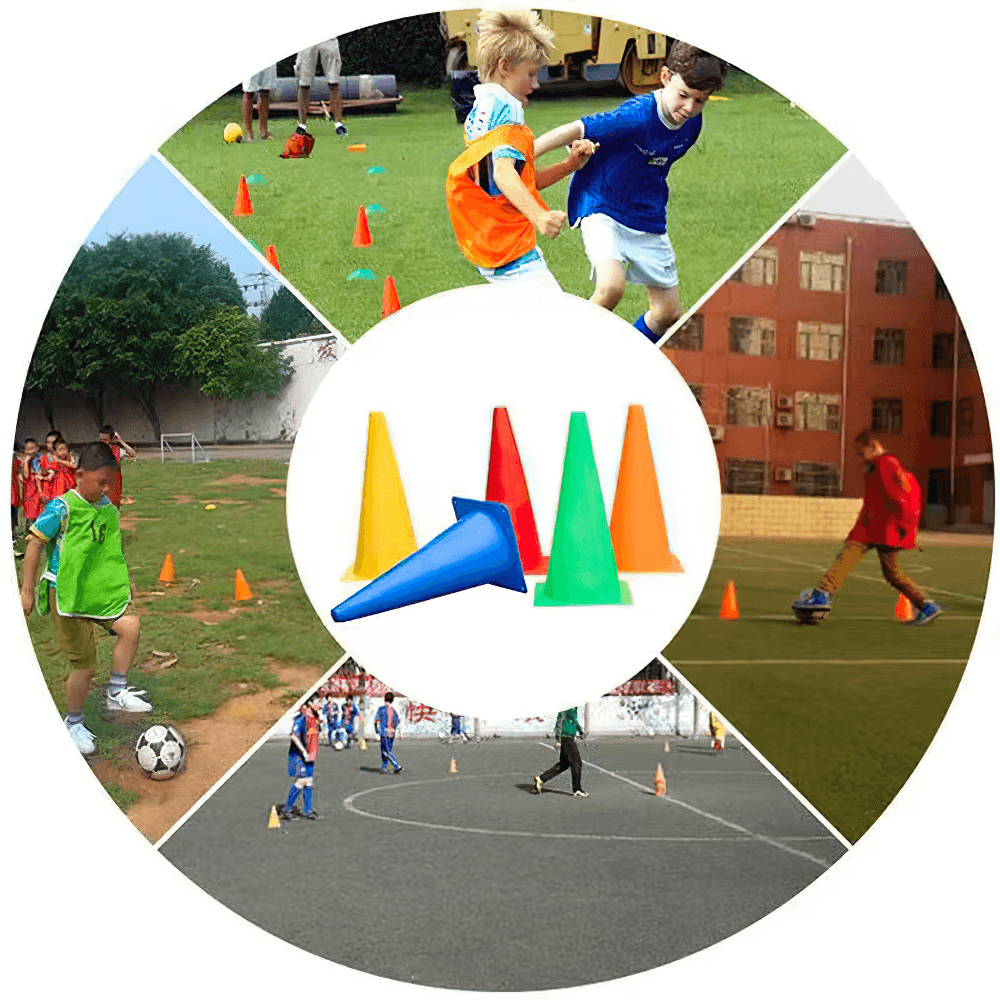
x: 387, y: 727
x: 567, y: 729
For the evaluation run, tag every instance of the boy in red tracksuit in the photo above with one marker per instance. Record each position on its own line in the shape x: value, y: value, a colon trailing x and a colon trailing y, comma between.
x: 888, y: 523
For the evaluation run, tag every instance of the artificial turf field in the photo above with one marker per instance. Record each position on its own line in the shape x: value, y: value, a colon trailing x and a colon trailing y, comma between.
x: 756, y: 157
x: 844, y: 709
x: 479, y: 883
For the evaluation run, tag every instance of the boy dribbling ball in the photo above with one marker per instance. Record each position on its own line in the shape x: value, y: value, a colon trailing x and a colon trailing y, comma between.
x: 492, y: 188
x: 85, y: 585
x: 619, y: 198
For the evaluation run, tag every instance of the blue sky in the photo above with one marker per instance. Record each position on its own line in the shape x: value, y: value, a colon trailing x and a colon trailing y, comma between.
x: 154, y: 200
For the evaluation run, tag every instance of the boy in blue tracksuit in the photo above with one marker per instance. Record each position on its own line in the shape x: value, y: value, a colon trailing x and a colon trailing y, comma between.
x: 332, y: 720
x: 348, y: 721
x: 619, y: 198
x: 387, y: 727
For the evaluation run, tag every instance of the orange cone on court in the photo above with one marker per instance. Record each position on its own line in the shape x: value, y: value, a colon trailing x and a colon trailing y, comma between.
x: 362, y: 234
x: 904, y: 609
x: 659, y: 781
x: 390, y: 299
x: 167, y: 570
x: 453, y: 767
x: 273, y: 822
x: 272, y: 257
x: 638, y: 530
x: 243, y: 204
x: 730, y: 610
x: 242, y: 587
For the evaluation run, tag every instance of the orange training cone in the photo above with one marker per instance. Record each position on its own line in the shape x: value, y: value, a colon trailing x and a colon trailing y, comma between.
x: 243, y: 203
x: 390, y: 300
x: 505, y: 483
x: 730, y: 611
x: 242, y: 587
x: 638, y: 531
x: 659, y: 781
x: 167, y: 570
x: 666, y: 746
x: 453, y: 767
x: 274, y: 823
x: 904, y: 609
x: 272, y: 257
x: 362, y: 235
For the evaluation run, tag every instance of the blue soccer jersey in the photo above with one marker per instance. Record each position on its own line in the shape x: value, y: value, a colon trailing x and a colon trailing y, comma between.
x: 626, y: 178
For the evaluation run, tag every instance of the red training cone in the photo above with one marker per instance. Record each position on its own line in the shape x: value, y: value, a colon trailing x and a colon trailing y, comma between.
x: 243, y: 204
x: 505, y: 483
x: 272, y: 257
x: 730, y: 610
x: 362, y: 234
x: 390, y: 300
x: 904, y: 609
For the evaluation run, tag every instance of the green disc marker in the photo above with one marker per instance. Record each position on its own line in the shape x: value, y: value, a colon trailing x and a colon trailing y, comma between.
x: 256, y: 179
x: 361, y: 273
x: 582, y: 568
x: 376, y: 170
x: 375, y: 210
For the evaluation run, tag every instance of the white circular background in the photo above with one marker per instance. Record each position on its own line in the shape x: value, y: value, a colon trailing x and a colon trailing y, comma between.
x: 437, y: 369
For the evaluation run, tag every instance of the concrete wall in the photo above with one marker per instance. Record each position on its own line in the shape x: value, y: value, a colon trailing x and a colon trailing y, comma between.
x: 183, y: 410
x: 750, y: 516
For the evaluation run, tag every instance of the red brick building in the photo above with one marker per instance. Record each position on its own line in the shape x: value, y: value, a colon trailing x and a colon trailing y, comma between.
x: 836, y: 324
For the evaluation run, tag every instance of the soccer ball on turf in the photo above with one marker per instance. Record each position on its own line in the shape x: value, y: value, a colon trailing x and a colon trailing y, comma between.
x: 160, y: 752
x: 232, y: 133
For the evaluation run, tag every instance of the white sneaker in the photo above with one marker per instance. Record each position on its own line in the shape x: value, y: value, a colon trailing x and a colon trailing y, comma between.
x: 127, y: 700
x: 82, y: 737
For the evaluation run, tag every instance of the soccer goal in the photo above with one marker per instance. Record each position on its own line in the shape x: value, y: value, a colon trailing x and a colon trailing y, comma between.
x: 187, y: 443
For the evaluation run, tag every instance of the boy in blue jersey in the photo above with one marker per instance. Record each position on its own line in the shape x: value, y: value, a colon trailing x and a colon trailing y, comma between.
x: 619, y: 199
x: 85, y: 585
x: 348, y: 721
x: 387, y: 727
x: 302, y: 750
x: 332, y: 720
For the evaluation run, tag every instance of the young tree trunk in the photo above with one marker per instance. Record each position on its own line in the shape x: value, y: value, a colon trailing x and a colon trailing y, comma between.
x: 95, y: 403
x: 146, y: 395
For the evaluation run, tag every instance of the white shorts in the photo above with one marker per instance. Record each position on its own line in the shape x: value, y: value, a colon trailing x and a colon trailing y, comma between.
x: 329, y: 55
x: 266, y: 79
x: 534, y: 271
x: 648, y: 258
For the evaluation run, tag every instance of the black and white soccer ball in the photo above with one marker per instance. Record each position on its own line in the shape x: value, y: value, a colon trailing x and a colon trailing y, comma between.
x: 160, y: 752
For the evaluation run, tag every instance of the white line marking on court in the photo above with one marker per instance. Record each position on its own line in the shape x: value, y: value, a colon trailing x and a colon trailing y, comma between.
x: 855, y: 575
x: 836, y: 663
x: 349, y: 805
x: 707, y: 815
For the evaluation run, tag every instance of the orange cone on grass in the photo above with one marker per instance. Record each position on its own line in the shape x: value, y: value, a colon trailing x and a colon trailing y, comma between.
x: 904, y: 609
x: 730, y: 611
x: 243, y: 204
x: 659, y: 781
x: 390, y: 299
x: 638, y: 530
x: 362, y: 234
x: 242, y: 587
x: 167, y: 570
x: 272, y: 257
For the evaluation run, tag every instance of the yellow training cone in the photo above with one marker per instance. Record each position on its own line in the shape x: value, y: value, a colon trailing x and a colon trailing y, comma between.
x: 453, y: 767
x: 274, y: 823
x: 385, y: 533
x: 659, y: 781
x: 362, y: 744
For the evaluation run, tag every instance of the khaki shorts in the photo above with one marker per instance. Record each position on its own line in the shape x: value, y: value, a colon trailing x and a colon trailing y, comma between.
x: 329, y: 55
x: 78, y: 636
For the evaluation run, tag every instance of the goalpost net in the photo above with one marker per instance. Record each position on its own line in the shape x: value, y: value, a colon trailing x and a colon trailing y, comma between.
x: 188, y: 448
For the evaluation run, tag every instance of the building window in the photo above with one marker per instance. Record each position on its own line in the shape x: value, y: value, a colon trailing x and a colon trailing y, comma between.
x: 760, y: 269
x: 965, y: 417
x: 819, y: 341
x: 821, y: 272
x: 695, y: 391
x: 690, y: 337
x: 750, y: 335
x: 941, y: 418
x: 941, y: 292
x: 888, y: 347
x: 817, y: 411
x: 887, y: 415
x: 747, y: 406
x: 943, y: 351
x: 745, y: 475
x: 816, y: 479
x: 890, y: 277
x: 964, y: 350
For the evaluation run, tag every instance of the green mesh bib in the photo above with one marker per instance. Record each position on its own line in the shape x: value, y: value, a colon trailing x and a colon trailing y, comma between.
x: 93, y: 578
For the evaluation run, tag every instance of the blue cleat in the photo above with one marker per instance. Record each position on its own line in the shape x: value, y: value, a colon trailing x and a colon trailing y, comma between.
x: 813, y: 600
x: 929, y: 611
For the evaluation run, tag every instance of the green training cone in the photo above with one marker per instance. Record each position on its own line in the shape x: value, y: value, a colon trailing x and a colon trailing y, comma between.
x: 582, y: 567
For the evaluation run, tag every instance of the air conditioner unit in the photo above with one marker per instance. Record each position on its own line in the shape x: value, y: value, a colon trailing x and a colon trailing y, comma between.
x: 806, y: 220
x: 786, y: 402
x: 782, y: 475
x: 784, y: 420
x: 717, y: 431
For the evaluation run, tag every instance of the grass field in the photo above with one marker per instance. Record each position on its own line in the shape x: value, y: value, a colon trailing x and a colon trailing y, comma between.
x: 222, y: 648
x: 756, y: 157
x: 845, y: 709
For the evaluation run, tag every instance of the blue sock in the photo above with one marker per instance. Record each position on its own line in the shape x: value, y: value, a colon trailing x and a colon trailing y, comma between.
x: 118, y: 683
x: 640, y: 325
x: 293, y: 794
x: 307, y: 798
